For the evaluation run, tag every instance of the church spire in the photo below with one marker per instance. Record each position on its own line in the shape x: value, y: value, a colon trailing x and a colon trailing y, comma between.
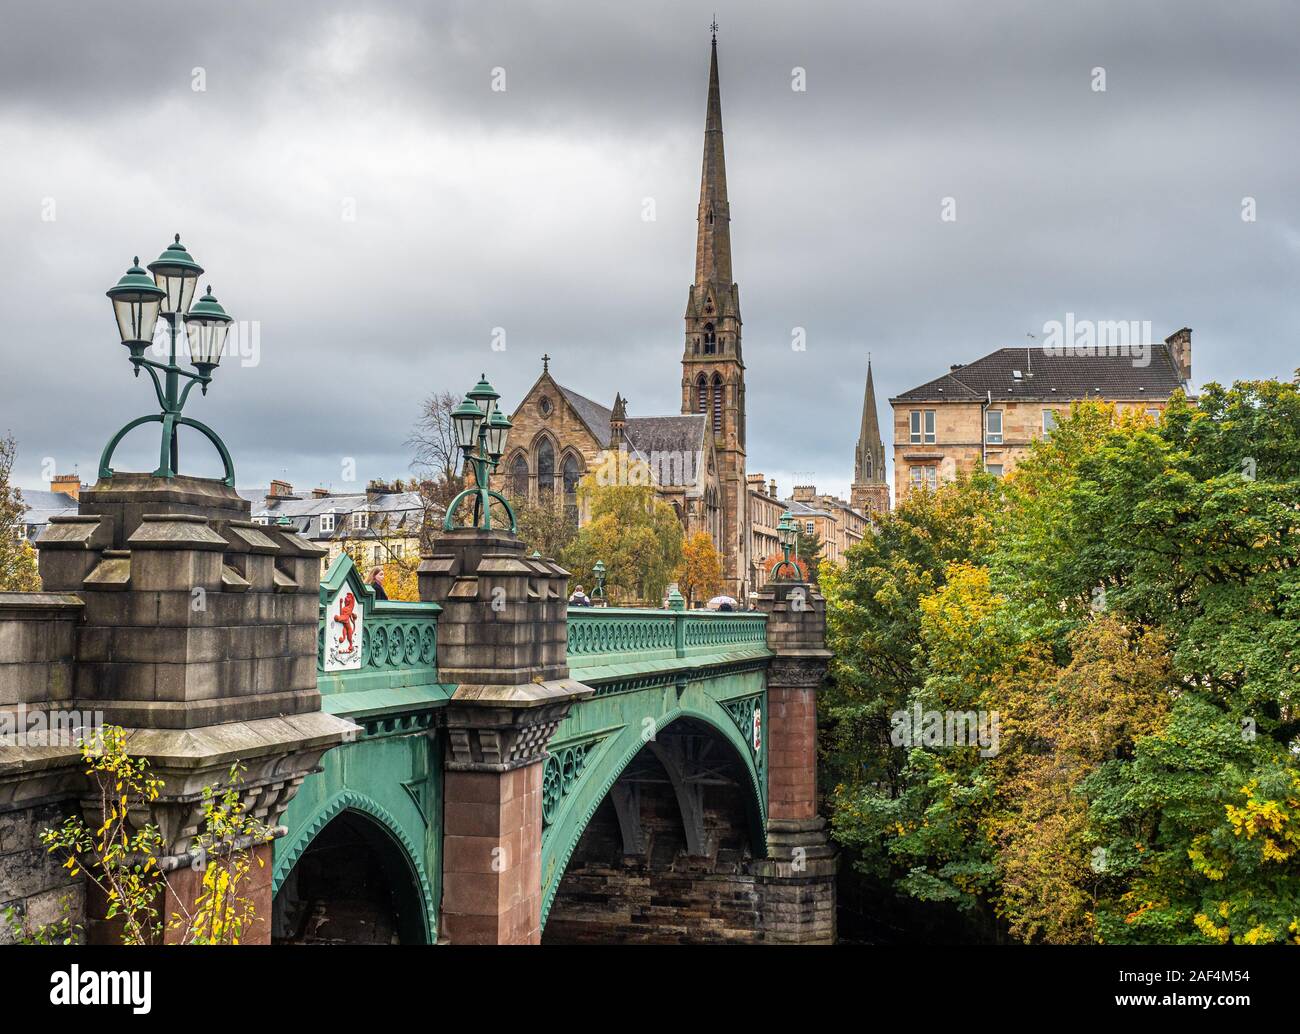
x: 869, y: 459
x: 713, y: 243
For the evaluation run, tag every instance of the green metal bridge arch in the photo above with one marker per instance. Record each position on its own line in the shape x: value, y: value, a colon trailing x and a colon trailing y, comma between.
x: 605, y: 760
x: 406, y: 849
x: 650, y: 669
x: 392, y: 772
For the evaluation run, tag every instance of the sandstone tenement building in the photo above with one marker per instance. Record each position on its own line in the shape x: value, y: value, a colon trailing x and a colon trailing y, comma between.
x: 989, y: 412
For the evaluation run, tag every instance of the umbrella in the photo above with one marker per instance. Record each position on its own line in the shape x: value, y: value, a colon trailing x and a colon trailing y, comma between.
x: 717, y: 602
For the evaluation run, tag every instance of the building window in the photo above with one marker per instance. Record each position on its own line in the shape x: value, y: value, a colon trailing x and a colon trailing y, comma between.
x: 360, y: 520
x: 1049, y: 421
x: 993, y: 426
x: 545, y: 468
x: 327, y: 521
x: 377, y: 556
x: 397, y: 550
x: 710, y: 340
x: 808, y: 527
x: 995, y: 469
x: 1154, y: 414
x: 261, y: 518
x: 544, y: 404
x: 571, y: 476
x: 702, y: 394
x: 925, y: 477
x: 519, y: 477
x: 923, y: 427
x: 717, y: 403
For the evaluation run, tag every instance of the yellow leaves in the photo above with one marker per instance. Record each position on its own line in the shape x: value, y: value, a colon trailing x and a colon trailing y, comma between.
x: 1260, y: 934
x: 1262, y: 817
x: 1217, y: 934
x: 1201, y: 863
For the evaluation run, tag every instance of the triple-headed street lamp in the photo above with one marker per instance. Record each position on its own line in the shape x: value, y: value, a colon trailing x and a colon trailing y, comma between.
x: 138, y: 301
x: 481, y: 431
x: 788, y: 531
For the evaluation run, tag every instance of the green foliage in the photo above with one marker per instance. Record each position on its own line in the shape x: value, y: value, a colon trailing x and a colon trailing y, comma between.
x: 638, y: 537
x: 545, y: 527
x: 121, y: 857
x: 1128, y: 602
x: 18, y: 571
x: 808, y: 549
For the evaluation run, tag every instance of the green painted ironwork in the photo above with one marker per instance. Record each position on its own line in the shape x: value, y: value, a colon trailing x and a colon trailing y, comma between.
x: 168, y: 387
x: 392, y: 773
x: 481, y: 431
x: 399, y: 648
x: 615, y: 728
x: 649, y: 669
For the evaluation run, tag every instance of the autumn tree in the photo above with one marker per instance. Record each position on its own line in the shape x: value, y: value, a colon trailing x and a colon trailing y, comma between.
x: 808, y: 549
x: 18, y: 571
x: 699, y: 576
x: 436, y: 457
x: 545, y: 527
x: 636, y: 535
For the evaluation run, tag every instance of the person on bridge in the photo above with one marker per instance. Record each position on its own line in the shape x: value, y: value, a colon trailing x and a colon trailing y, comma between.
x: 579, y: 598
x: 376, y: 581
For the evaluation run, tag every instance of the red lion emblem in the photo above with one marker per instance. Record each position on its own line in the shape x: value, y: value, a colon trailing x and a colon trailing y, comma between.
x: 347, y: 618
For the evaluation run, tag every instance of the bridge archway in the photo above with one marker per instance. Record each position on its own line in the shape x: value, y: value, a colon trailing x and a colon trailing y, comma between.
x: 664, y: 852
x: 350, y: 879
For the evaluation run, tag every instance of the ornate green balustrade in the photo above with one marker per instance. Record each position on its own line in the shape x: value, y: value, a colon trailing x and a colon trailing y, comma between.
x: 654, y: 640
x: 374, y: 655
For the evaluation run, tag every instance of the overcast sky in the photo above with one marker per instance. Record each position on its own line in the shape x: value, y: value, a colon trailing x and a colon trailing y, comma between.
x: 522, y: 209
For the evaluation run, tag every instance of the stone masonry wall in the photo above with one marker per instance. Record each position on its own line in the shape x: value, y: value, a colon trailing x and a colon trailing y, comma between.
x: 32, y: 881
x: 663, y: 896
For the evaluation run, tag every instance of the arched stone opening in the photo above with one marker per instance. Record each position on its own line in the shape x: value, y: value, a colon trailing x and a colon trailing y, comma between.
x: 666, y: 857
x: 354, y: 884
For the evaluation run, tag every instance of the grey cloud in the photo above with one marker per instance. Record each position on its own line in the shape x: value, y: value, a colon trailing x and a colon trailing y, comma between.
x: 522, y: 210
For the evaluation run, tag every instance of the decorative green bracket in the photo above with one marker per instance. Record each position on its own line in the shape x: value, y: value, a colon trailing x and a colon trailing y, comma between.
x: 171, y: 424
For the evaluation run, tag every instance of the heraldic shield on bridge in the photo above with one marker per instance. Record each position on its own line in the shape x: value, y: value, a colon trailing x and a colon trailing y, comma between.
x: 486, y: 765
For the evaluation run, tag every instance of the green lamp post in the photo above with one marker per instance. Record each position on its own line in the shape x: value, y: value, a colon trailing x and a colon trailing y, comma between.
x: 598, y: 593
x: 786, y: 570
x: 481, y: 431
x: 138, y: 301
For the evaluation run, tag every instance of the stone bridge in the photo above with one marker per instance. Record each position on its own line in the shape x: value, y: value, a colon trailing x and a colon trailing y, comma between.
x: 485, y: 766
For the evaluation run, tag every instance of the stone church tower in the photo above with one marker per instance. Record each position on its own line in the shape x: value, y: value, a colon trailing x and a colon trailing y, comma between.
x: 713, y: 370
x: 869, y: 493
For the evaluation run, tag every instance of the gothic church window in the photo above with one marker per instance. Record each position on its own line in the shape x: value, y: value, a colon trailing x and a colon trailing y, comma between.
x: 519, y: 477
x: 717, y: 403
x: 571, y: 475
x: 701, y: 395
x: 545, y: 468
x: 710, y: 340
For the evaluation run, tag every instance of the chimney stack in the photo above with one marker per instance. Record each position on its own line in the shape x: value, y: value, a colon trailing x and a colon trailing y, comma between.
x: 1180, y: 350
x: 279, y: 489
x: 320, y: 493
x: 68, y: 484
x: 771, y: 488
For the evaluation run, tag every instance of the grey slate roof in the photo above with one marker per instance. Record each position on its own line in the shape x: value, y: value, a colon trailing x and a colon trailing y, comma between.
x: 1063, y: 377
x: 651, y: 437
x: 41, y: 505
x: 593, y: 414
x: 401, y: 510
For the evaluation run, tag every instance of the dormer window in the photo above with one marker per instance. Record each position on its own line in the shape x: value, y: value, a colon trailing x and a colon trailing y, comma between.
x: 360, y: 520
x: 327, y: 522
